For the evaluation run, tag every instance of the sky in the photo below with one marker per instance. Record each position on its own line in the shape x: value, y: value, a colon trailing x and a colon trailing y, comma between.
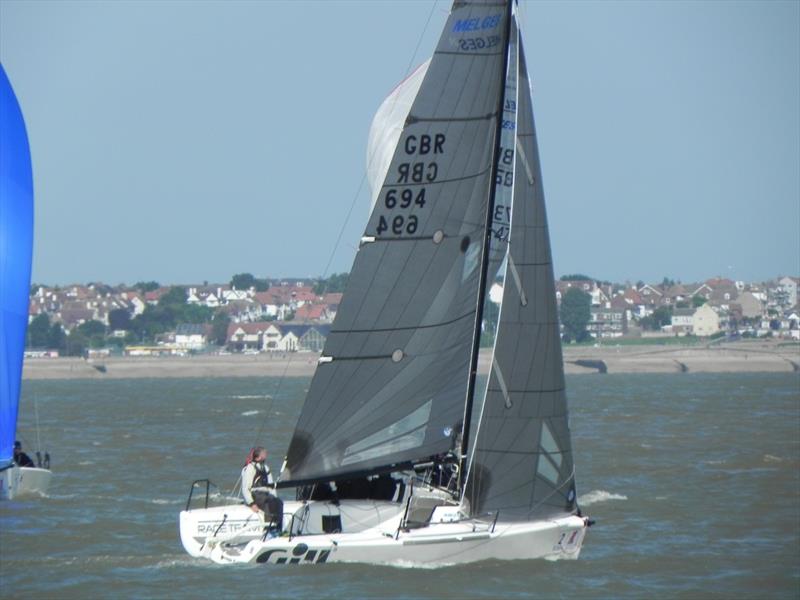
x: 187, y: 141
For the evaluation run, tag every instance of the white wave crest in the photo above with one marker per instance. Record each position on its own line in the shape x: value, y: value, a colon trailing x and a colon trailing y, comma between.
x: 772, y: 458
x: 597, y: 496
x: 249, y: 397
x: 250, y: 413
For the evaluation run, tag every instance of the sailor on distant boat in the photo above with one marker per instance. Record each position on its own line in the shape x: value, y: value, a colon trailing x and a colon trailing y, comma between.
x: 258, y: 487
x: 20, y: 458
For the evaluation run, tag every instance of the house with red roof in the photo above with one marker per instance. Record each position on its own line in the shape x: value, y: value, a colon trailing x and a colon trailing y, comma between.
x: 312, y: 312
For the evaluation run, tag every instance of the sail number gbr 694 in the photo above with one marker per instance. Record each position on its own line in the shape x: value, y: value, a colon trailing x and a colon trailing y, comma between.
x: 408, y: 194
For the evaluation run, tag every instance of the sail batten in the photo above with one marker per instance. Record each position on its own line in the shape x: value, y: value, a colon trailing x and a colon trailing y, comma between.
x: 417, y: 119
x: 421, y: 326
x: 481, y: 173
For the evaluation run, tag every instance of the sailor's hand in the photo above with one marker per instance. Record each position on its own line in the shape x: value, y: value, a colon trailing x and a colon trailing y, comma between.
x: 254, y: 508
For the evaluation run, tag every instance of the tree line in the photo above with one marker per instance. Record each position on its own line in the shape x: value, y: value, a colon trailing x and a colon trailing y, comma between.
x: 170, y: 311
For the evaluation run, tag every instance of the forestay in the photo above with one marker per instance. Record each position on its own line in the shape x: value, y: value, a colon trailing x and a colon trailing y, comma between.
x: 522, y: 462
x: 391, y: 383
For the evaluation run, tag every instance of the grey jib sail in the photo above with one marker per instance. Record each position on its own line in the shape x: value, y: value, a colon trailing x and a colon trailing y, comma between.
x: 522, y: 462
x: 391, y: 383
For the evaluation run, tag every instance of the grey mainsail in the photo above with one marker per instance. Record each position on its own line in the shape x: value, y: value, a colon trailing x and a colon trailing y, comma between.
x: 522, y: 463
x: 392, y: 380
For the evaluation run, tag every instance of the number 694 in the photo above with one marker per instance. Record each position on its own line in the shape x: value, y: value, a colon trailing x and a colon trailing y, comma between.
x: 398, y: 224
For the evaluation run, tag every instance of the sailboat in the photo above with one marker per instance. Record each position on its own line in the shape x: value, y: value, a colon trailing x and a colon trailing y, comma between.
x: 384, y: 460
x: 16, y: 249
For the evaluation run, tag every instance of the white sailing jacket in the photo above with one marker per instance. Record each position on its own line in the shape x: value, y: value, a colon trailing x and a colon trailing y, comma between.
x: 253, y: 477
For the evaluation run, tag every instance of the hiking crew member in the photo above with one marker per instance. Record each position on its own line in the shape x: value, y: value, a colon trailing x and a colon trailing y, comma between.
x: 258, y: 487
x: 22, y: 459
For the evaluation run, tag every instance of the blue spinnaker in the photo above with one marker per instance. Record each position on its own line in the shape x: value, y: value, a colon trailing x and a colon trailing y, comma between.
x: 16, y: 250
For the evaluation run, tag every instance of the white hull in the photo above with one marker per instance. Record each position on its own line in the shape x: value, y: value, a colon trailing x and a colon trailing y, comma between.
x: 443, y: 541
x: 17, y: 482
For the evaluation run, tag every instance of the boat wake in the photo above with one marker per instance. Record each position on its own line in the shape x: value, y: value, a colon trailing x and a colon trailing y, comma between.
x: 598, y: 496
x: 181, y: 561
x: 165, y: 501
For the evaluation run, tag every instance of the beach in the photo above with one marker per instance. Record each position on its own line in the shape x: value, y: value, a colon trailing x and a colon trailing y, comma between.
x: 737, y: 357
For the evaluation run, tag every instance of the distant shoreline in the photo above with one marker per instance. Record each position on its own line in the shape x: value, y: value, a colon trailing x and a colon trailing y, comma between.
x: 745, y: 356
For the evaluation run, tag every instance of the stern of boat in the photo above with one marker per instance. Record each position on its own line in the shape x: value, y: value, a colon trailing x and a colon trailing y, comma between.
x: 19, y: 482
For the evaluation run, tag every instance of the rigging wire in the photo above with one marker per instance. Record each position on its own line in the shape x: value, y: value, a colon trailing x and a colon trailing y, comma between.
x: 36, y: 413
x: 337, y: 243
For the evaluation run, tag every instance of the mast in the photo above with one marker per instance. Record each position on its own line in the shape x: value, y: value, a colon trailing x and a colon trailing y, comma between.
x: 484, y: 267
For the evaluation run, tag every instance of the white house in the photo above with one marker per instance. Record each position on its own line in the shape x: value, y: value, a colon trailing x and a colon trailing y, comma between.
x: 289, y: 342
x: 234, y: 294
x: 705, y: 321
x: 606, y: 321
x: 203, y: 297
x: 683, y: 321
x: 794, y: 326
x: 189, y: 336
x: 271, y: 339
x: 246, y: 336
x: 211, y: 301
x: 789, y: 286
x: 599, y: 297
x: 135, y: 302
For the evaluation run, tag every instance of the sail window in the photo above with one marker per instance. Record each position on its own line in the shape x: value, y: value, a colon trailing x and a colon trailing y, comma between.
x: 471, y: 259
x: 550, y: 457
x: 546, y: 469
x: 408, y: 432
x: 549, y: 444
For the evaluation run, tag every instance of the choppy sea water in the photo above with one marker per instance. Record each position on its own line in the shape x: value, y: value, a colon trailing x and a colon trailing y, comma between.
x: 694, y: 481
